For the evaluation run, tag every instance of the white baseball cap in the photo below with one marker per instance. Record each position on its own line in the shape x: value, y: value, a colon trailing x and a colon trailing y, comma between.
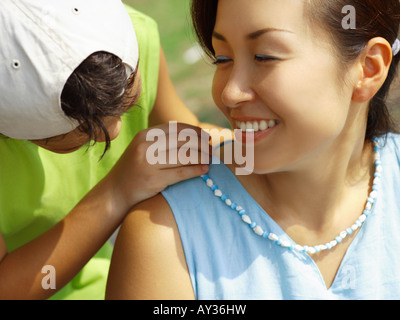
x: 42, y: 42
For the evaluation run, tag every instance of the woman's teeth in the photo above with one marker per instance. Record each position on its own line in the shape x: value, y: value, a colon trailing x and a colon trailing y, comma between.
x: 256, y: 125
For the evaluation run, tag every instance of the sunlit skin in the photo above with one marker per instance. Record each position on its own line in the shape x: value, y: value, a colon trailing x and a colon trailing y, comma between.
x: 271, y: 67
x: 313, y: 169
x: 71, y: 243
x: 74, y: 140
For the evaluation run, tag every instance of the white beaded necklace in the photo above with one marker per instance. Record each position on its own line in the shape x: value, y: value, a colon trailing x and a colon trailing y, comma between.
x: 258, y: 230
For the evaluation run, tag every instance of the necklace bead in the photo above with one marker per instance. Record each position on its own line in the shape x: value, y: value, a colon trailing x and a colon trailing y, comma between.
x: 258, y: 230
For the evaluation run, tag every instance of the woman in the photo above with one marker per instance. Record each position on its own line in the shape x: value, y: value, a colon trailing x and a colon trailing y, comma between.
x: 321, y: 203
x: 69, y: 73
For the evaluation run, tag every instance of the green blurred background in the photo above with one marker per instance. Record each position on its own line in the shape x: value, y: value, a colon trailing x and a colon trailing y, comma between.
x: 190, y: 71
x: 192, y: 74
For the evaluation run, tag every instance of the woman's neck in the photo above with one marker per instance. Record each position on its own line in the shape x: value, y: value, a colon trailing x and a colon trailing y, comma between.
x: 324, y: 195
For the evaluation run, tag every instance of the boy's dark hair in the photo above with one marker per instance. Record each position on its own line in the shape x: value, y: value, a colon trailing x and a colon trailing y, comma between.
x: 97, y: 89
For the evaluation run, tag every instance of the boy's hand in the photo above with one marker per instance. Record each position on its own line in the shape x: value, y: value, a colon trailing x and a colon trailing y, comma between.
x: 139, y: 175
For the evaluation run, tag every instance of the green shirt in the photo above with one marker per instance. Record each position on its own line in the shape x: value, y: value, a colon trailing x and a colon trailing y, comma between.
x: 39, y: 188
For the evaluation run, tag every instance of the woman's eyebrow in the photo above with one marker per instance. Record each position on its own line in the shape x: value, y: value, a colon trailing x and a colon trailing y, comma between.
x: 253, y: 35
x: 218, y: 36
x: 257, y: 34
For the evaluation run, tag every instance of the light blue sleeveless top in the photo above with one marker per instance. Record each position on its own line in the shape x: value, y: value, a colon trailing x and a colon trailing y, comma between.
x: 228, y: 261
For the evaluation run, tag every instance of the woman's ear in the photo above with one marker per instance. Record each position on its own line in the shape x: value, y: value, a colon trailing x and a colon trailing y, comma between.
x: 374, y: 65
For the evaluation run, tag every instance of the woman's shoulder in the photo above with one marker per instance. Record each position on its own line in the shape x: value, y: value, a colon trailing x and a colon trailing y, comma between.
x: 147, y: 248
x: 390, y: 138
x: 390, y: 146
x: 195, y: 192
x: 146, y: 218
x: 394, y: 138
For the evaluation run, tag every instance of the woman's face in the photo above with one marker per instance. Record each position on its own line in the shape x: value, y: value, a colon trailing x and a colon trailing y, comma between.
x: 277, y: 76
x: 75, y: 139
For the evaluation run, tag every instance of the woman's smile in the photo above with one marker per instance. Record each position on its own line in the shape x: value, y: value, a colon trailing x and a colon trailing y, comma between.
x: 253, y: 130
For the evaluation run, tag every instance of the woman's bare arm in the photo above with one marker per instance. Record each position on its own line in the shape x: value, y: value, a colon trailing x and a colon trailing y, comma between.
x: 148, y: 261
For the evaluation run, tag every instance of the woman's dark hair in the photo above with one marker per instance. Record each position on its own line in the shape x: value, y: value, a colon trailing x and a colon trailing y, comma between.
x: 374, y: 18
x: 97, y: 89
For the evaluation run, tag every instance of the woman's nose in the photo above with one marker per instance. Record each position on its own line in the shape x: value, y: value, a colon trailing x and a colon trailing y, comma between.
x: 237, y: 90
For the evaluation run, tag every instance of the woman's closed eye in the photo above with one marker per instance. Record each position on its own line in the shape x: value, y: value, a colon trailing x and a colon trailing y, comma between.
x: 264, y: 58
x: 258, y: 57
x: 221, y: 59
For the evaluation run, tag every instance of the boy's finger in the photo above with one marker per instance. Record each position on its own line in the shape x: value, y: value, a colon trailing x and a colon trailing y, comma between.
x: 183, y: 173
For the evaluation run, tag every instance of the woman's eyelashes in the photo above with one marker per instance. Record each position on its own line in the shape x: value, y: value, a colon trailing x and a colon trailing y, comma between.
x: 263, y: 58
x: 221, y: 59
x: 258, y: 57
